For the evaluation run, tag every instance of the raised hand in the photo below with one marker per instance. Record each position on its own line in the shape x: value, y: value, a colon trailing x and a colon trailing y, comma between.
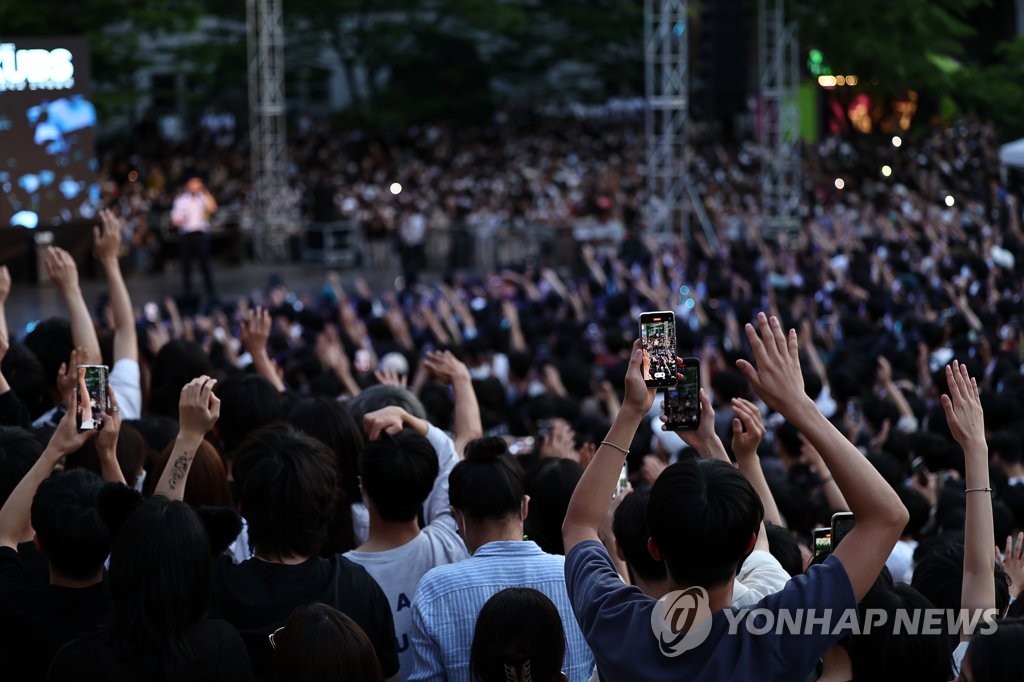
x: 106, y: 237
x: 67, y: 375
x: 390, y: 377
x: 445, y: 366
x: 389, y: 420
x: 256, y: 331
x: 198, y: 408
x: 1013, y: 563
x: 67, y: 438
x: 5, y: 284
x: 106, y: 441
x: 61, y: 268
x: 560, y: 443
x: 638, y: 397
x: 747, y: 428
x: 775, y: 375
x: 962, y: 404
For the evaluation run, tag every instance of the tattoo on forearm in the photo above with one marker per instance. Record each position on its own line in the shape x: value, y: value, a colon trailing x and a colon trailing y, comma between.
x: 178, y: 470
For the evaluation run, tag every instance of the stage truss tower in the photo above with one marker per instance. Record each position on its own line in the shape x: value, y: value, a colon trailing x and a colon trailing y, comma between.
x: 272, y: 212
x: 672, y: 195
x: 778, y: 124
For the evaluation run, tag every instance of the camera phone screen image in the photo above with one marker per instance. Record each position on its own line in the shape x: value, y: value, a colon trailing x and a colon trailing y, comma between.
x: 92, y: 396
x: 822, y: 541
x: 682, y: 402
x: 658, y: 338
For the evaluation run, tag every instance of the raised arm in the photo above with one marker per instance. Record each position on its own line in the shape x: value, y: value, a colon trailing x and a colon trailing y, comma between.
x: 198, y: 411
x: 107, y: 246
x: 747, y: 432
x: 63, y: 272
x: 450, y: 370
x: 15, y: 516
x: 967, y: 424
x: 106, y: 442
x: 593, y: 494
x: 255, y: 334
x: 703, y: 439
x: 881, y: 517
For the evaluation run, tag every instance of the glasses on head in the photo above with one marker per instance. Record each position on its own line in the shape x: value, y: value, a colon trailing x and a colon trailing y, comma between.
x: 272, y: 637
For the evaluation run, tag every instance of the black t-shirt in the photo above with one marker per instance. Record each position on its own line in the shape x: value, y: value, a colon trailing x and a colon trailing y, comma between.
x: 217, y: 655
x: 38, y: 620
x: 257, y: 597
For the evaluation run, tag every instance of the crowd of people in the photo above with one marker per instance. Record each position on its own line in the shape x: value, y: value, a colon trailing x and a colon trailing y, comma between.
x: 424, y: 483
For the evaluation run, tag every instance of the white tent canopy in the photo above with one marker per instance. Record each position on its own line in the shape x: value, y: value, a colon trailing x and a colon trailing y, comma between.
x: 1012, y: 154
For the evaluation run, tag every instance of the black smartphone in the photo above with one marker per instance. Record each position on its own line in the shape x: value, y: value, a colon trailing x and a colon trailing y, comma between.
x: 822, y: 541
x: 682, y: 401
x: 842, y: 523
x: 92, y: 396
x: 658, y: 339
x: 920, y: 470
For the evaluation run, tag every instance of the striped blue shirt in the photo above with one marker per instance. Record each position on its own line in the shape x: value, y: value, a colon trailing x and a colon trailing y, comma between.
x: 450, y: 597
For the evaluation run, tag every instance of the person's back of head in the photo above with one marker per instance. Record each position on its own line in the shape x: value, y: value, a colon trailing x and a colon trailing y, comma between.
x: 247, y: 402
x: 994, y: 656
x: 488, y: 484
x: 207, y: 479
x: 132, y: 455
x: 939, y: 575
x: 332, y: 423
x: 398, y: 474
x: 159, y: 582
x: 51, y: 342
x: 887, y: 652
x: 27, y: 377
x: 519, y: 636
x: 321, y: 643
x: 68, y: 524
x: 918, y: 508
x: 786, y: 550
x: 550, y: 485
x: 629, y: 526
x: 382, y: 395
x: 1006, y: 445
x: 704, y: 517
x: 19, y: 450
x: 286, y: 486
x: 177, y: 363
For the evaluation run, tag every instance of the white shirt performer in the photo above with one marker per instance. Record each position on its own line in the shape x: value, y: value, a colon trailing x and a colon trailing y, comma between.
x: 191, y: 215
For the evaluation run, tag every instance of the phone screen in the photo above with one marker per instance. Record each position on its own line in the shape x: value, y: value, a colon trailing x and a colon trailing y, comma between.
x: 658, y: 338
x: 682, y: 401
x: 822, y: 541
x: 92, y: 396
x: 842, y: 523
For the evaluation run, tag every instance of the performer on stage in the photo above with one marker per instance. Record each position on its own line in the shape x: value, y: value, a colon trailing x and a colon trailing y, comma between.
x: 191, y: 215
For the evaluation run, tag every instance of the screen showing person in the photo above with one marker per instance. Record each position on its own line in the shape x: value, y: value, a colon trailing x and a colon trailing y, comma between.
x: 92, y: 396
x: 658, y: 340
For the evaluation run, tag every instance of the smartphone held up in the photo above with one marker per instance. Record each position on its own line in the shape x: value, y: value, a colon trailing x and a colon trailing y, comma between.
x: 682, y: 401
x: 658, y: 341
x: 92, y: 396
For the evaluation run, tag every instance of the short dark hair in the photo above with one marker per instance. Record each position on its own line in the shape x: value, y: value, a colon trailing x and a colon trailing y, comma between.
x: 19, y: 450
x: 159, y: 581
x: 629, y: 525
x: 321, y: 643
x: 518, y: 626
x: 133, y: 452
x: 51, y: 342
x: 1007, y: 445
x: 702, y: 515
x: 994, y: 657
x: 488, y: 483
x: 886, y: 652
x: 247, y: 402
x: 26, y: 376
x: 786, y: 550
x: 68, y: 524
x: 177, y: 363
x: 286, y: 484
x: 550, y: 485
x: 918, y: 508
x: 398, y: 474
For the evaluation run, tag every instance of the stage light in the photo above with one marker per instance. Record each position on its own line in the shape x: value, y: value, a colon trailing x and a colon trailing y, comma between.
x: 950, y: 201
x: 396, y: 188
x: 886, y: 170
x: 851, y: 80
x: 897, y: 141
x: 840, y: 183
x: 827, y: 81
x: 133, y: 176
x: 840, y: 80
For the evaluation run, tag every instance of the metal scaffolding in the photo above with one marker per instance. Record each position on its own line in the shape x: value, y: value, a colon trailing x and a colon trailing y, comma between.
x: 272, y: 211
x: 671, y: 194
x: 778, y: 122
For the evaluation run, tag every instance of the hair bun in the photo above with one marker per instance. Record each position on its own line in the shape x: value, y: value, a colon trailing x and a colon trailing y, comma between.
x: 485, y: 450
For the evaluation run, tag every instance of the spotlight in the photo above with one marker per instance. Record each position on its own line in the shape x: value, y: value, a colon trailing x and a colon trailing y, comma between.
x: 840, y: 183
x: 950, y: 201
x: 886, y: 170
x: 396, y: 188
x: 897, y: 141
